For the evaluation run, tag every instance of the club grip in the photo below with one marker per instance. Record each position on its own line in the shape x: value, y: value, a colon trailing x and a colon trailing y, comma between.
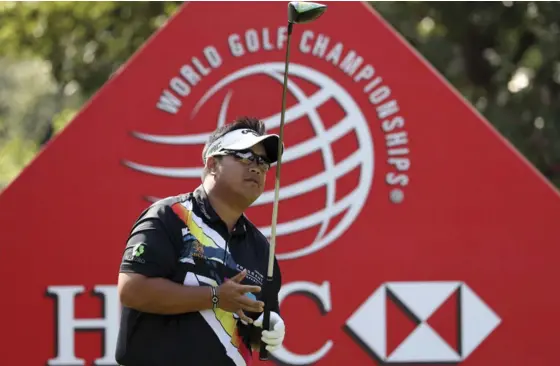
x: 263, y: 353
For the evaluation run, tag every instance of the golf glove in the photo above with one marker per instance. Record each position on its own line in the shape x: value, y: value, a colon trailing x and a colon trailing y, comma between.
x: 273, y: 338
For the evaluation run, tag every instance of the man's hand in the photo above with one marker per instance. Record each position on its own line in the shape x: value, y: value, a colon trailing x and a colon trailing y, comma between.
x: 243, y: 317
x: 273, y: 338
x: 232, y: 298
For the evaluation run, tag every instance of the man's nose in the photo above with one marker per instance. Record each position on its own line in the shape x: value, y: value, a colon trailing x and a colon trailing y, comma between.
x: 255, y: 169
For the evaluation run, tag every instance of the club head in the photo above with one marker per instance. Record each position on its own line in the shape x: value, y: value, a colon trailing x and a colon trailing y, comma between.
x: 300, y: 12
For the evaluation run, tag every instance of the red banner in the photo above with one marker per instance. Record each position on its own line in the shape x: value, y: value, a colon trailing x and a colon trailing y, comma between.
x: 409, y: 230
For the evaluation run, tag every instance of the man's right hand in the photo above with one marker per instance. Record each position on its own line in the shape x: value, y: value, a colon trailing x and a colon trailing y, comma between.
x: 232, y: 296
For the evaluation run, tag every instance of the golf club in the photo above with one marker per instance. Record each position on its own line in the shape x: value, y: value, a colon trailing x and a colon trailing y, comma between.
x: 298, y: 13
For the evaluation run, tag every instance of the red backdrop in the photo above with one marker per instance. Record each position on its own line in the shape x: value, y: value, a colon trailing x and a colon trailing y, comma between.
x: 423, y: 235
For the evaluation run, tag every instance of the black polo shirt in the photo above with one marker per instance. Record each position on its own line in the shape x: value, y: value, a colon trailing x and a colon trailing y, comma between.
x: 182, y: 239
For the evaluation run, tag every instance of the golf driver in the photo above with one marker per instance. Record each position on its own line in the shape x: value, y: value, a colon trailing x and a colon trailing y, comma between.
x: 298, y: 13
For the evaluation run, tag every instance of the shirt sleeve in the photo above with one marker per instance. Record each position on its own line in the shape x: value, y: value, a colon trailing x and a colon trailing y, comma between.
x: 149, y: 250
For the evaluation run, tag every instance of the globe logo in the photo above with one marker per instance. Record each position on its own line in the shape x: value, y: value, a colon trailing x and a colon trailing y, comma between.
x: 362, y: 158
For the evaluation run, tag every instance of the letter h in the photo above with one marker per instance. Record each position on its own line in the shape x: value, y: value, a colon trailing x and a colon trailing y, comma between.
x: 67, y: 324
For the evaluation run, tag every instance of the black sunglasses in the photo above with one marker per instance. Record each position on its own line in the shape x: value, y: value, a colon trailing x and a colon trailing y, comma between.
x: 248, y: 157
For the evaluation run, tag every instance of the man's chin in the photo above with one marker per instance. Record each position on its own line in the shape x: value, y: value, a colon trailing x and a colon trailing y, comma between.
x: 251, y: 198
x: 246, y: 194
x: 252, y: 195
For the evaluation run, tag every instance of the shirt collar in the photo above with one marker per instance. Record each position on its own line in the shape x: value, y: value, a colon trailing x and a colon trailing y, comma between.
x: 201, y: 198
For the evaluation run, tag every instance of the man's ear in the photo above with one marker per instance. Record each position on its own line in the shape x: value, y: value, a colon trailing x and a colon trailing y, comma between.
x: 212, y: 165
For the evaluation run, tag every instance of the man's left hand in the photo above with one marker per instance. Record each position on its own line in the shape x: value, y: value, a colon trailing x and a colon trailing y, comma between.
x: 273, y: 338
x: 244, y: 318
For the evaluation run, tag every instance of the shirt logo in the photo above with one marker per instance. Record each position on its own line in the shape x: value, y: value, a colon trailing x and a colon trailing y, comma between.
x: 138, y: 250
x: 137, y: 253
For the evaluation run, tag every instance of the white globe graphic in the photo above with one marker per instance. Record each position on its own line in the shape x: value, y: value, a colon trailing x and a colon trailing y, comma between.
x: 307, y: 106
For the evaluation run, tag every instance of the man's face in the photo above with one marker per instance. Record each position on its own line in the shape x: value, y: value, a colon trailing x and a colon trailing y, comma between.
x: 242, y: 176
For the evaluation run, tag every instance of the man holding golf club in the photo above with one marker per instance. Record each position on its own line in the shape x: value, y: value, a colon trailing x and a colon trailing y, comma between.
x: 193, y: 268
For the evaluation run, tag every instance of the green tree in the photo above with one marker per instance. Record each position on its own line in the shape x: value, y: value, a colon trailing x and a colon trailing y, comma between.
x: 75, y: 46
x: 503, y: 57
x: 27, y: 95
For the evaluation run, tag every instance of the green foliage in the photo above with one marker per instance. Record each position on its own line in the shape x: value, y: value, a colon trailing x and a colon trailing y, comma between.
x: 14, y: 156
x: 85, y: 42
x: 56, y: 55
x: 28, y: 98
x: 503, y: 57
x: 60, y: 120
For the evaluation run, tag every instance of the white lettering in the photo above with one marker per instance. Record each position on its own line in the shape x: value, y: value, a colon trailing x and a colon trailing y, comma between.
x: 319, y: 292
x: 372, y: 84
x: 387, y: 109
x: 334, y: 54
x: 67, y: 324
x: 212, y: 56
x: 304, y: 47
x: 168, y: 102
x: 200, y: 67
x: 282, y: 37
x: 365, y: 74
x: 398, y: 152
x: 255, y: 40
x: 388, y: 126
x: 394, y: 179
x: 180, y: 87
x: 396, y: 138
x: 379, y: 95
x: 235, y: 46
x: 320, y: 46
x: 188, y: 73
x: 351, y: 63
x: 266, y: 40
x: 252, y: 40
x: 400, y: 163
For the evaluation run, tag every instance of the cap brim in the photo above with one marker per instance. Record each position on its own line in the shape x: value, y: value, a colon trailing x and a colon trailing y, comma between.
x: 270, y: 143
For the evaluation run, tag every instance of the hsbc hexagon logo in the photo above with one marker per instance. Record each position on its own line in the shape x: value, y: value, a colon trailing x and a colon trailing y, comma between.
x: 421, y: 300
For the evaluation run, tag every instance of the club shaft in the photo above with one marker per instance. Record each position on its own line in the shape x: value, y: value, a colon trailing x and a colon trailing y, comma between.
x: 263, y: 354
x: 270, y: 270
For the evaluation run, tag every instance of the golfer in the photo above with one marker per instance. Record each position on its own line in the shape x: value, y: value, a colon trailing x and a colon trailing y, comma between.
x: 191, y: 276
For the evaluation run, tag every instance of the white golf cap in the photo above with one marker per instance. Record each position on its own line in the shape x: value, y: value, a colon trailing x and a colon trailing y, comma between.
x: 244, y: 139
